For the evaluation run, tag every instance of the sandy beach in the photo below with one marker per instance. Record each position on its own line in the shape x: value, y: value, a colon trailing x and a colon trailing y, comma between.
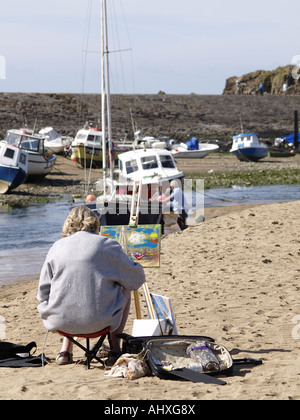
x: 234, y: 277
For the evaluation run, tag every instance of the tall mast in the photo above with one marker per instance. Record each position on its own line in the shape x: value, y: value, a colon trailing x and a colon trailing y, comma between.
x: 106, y: 52
x: 103, y: 124
x: 106, y: 105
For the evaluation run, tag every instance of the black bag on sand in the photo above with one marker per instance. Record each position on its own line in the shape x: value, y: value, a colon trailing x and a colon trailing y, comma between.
x: 193, y: 359
x: 16, y: 355
x: 175, y: 357
x: 161, y: 367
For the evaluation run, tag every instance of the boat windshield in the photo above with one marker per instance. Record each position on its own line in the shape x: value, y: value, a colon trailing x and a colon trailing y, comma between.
x: 96, y: 139
x: 149, y: 162
x: 30, y: 143
x: 52, y: 134
x: 167, y: 161
x: 80, y: 136
x: 13, y: 138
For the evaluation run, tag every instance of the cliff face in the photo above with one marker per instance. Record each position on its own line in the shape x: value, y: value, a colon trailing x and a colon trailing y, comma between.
x: 273, y: 82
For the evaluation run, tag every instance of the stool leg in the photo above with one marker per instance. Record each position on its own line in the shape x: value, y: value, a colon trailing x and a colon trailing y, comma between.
x: 88, y: 364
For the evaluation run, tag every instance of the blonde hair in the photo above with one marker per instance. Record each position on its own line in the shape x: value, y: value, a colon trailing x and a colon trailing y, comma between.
x: 80, y: 219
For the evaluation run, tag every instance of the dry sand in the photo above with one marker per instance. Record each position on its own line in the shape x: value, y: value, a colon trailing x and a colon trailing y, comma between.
x: 234, y: 277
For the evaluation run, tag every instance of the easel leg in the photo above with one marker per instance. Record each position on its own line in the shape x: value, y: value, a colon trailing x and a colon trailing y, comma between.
x: 149, y: 303
x: 138, y: 311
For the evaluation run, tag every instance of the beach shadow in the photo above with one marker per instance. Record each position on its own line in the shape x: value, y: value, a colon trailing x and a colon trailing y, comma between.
x: 242, y: 369
x: 53, y: 182
x: 261, y: 351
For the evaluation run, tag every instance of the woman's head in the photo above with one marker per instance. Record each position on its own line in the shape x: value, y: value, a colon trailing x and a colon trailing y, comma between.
x: 80, y: 219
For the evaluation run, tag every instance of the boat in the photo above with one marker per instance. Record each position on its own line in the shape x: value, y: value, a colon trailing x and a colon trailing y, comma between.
x: 87, y: 147
x: 287, y: 140
x: 13, y: 167
x: 40, y: 160
x: 193, y: 149
x: 116, y: 196
x: 246, y: 147
x: 161, y: 142
x: 155, y: 168
x: 279, y: 152
x: 54, y: 141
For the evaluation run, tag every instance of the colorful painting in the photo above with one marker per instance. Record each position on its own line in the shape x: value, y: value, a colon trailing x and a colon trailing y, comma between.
x: 141, y: 243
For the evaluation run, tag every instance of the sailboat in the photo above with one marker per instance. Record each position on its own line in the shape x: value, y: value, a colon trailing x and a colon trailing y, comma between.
x: 154, y: 170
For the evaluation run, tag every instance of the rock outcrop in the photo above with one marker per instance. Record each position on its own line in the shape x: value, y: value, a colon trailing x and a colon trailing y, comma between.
x: 282, y: 81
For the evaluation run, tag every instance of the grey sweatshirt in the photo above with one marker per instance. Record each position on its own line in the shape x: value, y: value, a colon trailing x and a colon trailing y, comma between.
x: 80, y: 284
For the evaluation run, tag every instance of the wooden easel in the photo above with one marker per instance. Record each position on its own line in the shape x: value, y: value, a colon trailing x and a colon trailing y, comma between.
x: 133, y: 222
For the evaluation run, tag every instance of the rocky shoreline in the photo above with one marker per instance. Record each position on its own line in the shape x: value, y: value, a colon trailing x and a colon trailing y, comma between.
x: 215, y: 117
x: 176, y: 116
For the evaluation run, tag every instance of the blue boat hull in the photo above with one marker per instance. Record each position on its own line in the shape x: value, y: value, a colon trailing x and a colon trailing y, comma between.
x: 11, y: 177
x: 252, y: 154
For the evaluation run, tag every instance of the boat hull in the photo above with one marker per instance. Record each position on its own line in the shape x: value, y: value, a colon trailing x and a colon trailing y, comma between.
x: 56, y: 149
x: 191, y: 154
x: 281, y: 154
x: 251, y: 154
x: 39, y: 165
x: 10, y: 178
x: 88, y: 156
x: 204, y: 150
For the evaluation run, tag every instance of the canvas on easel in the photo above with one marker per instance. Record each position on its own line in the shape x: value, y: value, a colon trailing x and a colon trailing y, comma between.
x: 163, y: 310
x: 140, y: 243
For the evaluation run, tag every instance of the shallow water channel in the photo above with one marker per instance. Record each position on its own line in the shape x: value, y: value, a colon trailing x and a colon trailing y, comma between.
x: 27, y: 233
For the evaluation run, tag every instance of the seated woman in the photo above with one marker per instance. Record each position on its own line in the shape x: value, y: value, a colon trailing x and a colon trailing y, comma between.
x: 86, y: 282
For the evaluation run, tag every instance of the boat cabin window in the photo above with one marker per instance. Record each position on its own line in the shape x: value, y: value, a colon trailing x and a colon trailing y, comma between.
x: 80, y: 137
x: 23, y: 158
x: 149, y: 162
x: 131, y: 166
x: 30, y: 143
x: 96, y: 139
x: 9, y: 153
x: 167, y: 161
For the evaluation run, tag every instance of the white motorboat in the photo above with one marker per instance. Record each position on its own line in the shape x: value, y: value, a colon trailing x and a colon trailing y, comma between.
x: 181, y: 150
x: 54, y: 141
x: 193, y: 149
x: 161, y: 142
x: 13, y: 167
x: 155, y: 168
x: 40, y: 160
